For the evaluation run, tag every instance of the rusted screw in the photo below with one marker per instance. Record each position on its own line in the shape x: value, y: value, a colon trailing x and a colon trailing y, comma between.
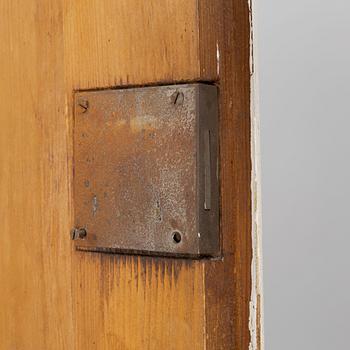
x: 177, y: 98
x: 78, y: 233
x: 84, y: 105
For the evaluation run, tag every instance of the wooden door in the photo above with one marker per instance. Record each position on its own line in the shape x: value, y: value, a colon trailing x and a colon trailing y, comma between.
x: 53, y: 297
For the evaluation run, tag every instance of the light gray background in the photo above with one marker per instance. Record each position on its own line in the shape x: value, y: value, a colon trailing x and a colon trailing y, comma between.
x: 304, y: 57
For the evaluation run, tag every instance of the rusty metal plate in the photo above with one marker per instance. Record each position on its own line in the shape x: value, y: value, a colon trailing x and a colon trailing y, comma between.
x: 145, y: 170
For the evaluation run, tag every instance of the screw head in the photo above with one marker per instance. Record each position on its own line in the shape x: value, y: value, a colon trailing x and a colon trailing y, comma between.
x: 78, y: 233
x: 177, y: 98
x: 83, y: 105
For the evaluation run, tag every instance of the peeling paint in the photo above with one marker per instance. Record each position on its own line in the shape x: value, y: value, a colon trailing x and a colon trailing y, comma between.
x: 256, y: 300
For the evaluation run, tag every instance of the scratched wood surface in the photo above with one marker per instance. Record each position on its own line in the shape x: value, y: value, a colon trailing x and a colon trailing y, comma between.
x: 53, y: 297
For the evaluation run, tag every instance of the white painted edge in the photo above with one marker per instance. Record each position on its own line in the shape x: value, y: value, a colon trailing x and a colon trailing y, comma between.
x: 257, y: 340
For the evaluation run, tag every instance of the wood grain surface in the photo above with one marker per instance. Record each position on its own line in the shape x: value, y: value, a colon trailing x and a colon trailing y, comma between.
x: 53, y: 297
x: 35, y: 252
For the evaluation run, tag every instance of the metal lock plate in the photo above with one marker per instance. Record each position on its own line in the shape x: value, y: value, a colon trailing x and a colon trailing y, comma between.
x: 146, y: 172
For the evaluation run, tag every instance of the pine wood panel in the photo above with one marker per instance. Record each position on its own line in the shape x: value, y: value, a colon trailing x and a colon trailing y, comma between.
x: 128, y: 42
x: 55, y: 297
x: 35, y: 266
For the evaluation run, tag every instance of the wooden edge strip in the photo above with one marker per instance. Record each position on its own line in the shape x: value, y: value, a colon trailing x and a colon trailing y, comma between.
x: 233, y: 285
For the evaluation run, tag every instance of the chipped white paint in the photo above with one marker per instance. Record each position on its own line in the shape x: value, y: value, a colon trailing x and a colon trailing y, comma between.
x: 217, y: 59
x: 256, y: 300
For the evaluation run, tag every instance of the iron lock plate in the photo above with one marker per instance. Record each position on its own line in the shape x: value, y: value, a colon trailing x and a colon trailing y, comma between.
x: 146, y: 170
